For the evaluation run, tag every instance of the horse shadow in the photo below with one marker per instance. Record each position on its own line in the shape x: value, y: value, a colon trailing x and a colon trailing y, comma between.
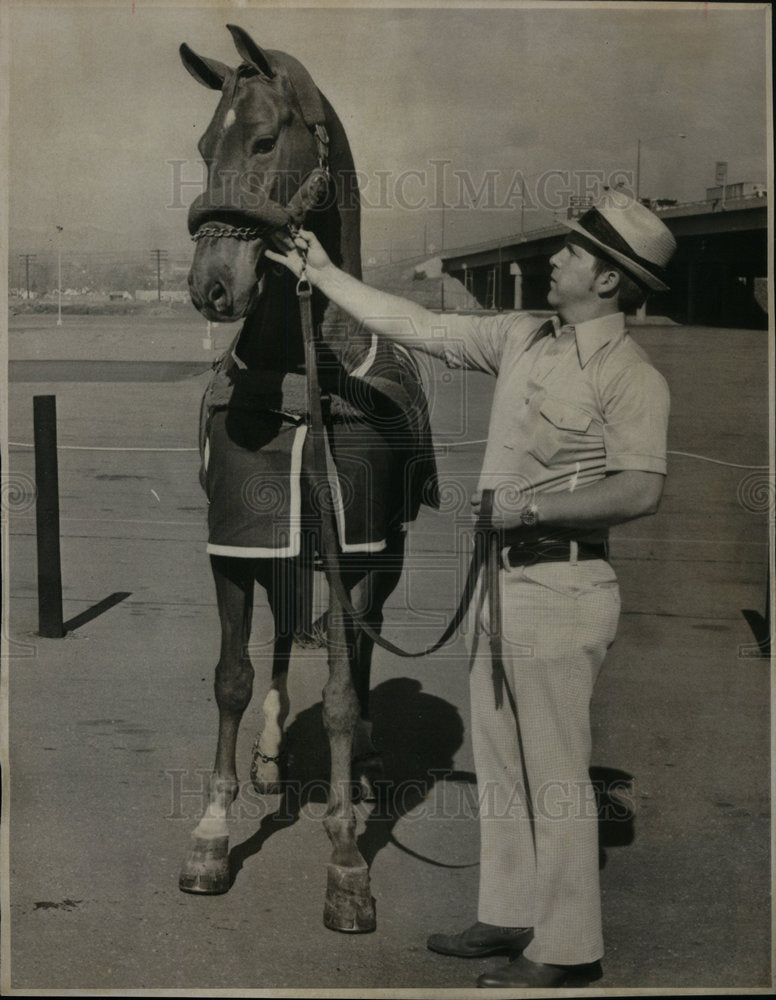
x: 418, y: 735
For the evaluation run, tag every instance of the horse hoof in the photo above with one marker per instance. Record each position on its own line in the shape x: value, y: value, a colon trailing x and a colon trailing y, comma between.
x: 349, y: 906
x: 206, y: 869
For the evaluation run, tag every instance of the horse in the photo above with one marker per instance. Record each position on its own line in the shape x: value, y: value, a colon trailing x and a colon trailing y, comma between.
x: 277, y: 155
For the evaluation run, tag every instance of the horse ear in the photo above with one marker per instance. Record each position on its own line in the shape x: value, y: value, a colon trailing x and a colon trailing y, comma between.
x: 209, y: 72
x: 250, y: 51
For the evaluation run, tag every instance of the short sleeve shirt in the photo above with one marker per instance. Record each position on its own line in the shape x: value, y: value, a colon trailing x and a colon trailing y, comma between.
x: 568, y: 407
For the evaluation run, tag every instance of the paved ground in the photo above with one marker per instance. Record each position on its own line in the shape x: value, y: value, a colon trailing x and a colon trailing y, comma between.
x: 112, y: 728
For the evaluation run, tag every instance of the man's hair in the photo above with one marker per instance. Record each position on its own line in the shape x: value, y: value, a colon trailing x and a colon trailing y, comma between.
x: 630, y: 293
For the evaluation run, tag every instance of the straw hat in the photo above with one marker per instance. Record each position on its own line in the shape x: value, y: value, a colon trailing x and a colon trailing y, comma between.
x: 631, y: 235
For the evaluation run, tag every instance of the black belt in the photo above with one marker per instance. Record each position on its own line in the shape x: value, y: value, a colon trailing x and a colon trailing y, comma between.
x: 527, y: 553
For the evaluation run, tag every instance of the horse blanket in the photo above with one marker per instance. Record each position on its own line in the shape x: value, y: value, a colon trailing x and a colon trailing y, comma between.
x: 256, y: 453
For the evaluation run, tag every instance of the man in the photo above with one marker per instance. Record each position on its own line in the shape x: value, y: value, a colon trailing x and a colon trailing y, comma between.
x: 576, y: 443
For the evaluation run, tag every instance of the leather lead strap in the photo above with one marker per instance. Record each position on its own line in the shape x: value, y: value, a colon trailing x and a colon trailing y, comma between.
x: 493, y: 590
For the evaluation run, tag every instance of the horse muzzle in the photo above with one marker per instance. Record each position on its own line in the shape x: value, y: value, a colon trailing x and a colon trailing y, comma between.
x: 226, y: 277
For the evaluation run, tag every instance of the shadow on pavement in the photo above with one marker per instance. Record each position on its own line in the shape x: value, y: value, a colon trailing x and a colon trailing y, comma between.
x: 614, y: 800
x: 96, y: 610
x: 419, y: 735
x: 761, y: 630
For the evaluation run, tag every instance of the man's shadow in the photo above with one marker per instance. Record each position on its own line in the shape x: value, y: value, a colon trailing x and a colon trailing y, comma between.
x: 418, y: 735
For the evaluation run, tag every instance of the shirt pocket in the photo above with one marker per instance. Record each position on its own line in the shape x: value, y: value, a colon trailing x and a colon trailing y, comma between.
x: 563, y: 432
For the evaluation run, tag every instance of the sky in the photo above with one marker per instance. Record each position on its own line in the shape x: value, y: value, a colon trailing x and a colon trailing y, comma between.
x: 547, y: 102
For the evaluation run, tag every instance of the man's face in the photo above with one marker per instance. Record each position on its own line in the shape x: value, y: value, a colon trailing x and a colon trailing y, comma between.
x: 573, y: 277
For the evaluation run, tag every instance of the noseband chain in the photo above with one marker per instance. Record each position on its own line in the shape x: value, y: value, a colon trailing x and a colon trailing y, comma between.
x: 233, y: 232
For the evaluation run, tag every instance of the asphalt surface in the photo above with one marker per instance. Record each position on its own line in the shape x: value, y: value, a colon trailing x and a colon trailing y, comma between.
x: 112, y: 728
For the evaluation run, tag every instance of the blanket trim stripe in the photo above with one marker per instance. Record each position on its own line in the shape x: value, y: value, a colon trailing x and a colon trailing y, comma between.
x: 339, y: 509
x: 294, y: 515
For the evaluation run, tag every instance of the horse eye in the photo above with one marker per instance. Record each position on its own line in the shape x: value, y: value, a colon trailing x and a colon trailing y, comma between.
x: 264, y: 145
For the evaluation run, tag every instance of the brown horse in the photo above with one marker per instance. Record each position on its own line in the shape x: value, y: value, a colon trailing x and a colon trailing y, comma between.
x: 277, y: 155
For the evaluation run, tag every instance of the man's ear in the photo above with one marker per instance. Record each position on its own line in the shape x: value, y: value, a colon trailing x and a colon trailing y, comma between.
x: 608, y: 282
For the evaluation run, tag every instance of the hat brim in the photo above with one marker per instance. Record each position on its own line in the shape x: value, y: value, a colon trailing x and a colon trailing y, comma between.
x: 639, y: 272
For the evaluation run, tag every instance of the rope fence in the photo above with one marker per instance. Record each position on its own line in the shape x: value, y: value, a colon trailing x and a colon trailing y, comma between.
x: 441, y: 445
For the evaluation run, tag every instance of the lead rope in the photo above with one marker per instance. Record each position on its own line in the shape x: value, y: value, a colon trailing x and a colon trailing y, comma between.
x: 491, y: 587
x: 319, y: 426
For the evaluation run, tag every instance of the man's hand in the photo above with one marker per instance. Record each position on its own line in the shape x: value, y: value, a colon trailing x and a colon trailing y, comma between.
x: 304, y: 245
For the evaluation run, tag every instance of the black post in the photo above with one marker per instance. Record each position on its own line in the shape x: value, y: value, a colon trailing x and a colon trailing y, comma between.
x: 47, y: 517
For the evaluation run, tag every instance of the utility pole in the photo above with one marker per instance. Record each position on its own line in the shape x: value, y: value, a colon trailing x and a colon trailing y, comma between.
x: 59, y: 275
x: 522, y: 207
x: 160, y: 256
x: 27, y: 257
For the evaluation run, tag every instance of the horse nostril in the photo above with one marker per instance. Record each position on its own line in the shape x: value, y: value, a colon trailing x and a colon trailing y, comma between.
x: 218, y: 297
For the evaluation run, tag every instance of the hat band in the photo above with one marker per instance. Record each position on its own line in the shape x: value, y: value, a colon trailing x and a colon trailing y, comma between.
x: 600, y: 227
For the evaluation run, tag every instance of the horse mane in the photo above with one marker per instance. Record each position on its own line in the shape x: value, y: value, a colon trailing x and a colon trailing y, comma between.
x: 344, y: 187
x: 337, y: 221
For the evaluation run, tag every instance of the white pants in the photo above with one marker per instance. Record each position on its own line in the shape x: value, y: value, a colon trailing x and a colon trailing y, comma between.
x: 539, y: 844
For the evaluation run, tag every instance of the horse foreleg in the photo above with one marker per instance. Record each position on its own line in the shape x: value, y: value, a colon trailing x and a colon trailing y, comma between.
x: 349, y: 904
x: 206, y: 867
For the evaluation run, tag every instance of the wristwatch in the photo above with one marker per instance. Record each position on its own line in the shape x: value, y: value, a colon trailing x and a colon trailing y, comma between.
x: 529, y: 516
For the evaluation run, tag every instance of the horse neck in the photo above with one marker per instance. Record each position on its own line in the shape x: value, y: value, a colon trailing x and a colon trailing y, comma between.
x: 271, y: 337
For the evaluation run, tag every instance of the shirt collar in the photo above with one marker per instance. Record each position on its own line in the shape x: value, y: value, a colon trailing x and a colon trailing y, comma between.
x: 594, y: 333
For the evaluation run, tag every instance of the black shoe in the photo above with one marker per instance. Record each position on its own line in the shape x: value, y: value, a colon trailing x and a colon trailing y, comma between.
x: 522, y: 972
x: 481, y: 940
